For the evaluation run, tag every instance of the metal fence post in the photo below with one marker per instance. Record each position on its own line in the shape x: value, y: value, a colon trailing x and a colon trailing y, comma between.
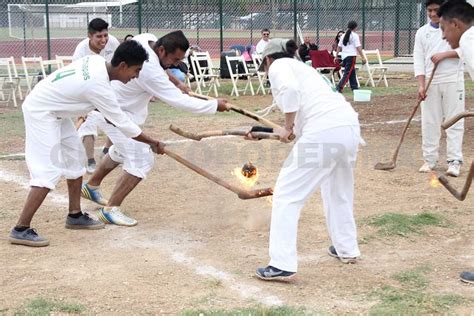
x: 295, y: 20
x: 48, y: 35
x: 221, y: 19
x: 139, y: 18
x: 363, y: 23
x: 396, y: 48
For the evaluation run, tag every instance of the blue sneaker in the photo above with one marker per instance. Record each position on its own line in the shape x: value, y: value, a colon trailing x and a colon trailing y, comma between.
x: 93, y: 195
x: 274, y: 274
x: 28, y: 237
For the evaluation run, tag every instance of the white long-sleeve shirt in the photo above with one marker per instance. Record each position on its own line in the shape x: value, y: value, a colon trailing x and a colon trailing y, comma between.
x: 429, y: 41
x: 466, y: 50
x: 301, y: 89
x: 77, y: 89
x: 83, y: 49
x: 153, y: 81
x: 351, y: 48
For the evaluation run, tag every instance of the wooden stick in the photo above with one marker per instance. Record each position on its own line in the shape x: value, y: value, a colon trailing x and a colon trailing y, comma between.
x: 241, y: 193
x: 392, y: 164
x: 239, y: 110
x: 456, y: 118
x: 461, y: 196
x: 201, y: 135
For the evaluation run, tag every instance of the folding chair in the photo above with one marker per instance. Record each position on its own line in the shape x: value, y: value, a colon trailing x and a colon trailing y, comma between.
x: 11, y: 80
x: 323, y: 62
x: 233, y: 64
x: 261, y: 75
x: 64, y: 60
x: 33, y: 69
x: 203, y: 69
x: 50, y: 65
x: 371, y: 70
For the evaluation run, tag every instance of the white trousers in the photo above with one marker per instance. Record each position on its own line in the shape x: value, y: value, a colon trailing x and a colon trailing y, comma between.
x: 89, y: 127
x: 52, y: 149
x: 325, y: 160
x: 136, y: 157
x: 443, y: 101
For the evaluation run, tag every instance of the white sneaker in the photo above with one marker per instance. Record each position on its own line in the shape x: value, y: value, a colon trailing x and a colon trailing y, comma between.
x: 454, y: 168
x: 427, y: 167
x: 90, y: 168
x: 113, y: 215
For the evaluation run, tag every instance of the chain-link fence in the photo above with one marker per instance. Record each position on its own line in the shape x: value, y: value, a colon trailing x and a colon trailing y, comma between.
x: 54, y: 27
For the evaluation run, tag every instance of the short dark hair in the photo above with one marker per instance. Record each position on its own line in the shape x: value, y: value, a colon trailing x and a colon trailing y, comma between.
x: 265, y: 30
x: 173, y: 41
x: 430, y: 2
x: 97, y: 25
x: 130, y: 52
x: 459, y: 9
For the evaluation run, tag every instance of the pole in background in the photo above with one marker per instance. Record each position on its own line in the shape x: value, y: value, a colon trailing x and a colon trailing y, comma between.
x: 139, y: 20
x: 221, y: 19
x: 295, y: 20
x: 397, y: 30
x: 24, y: 33
x: 48, y: 35
x: 363, y: 23
x: 317, y: 22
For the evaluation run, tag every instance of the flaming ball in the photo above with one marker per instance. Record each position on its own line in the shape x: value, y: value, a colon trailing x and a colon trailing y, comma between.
x: 248, y: 170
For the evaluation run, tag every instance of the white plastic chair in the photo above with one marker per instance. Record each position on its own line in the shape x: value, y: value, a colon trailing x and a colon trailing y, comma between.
x: 373, y: 69
x: 261, y: 75
x: 32, y: 68
x: 233, y: 63
x: 203, y: 69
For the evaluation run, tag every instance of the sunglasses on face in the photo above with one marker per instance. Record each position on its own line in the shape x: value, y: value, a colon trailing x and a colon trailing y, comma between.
x: 266, y: 34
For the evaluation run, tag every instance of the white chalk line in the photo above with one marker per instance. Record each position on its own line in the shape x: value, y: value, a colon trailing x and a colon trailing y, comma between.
x: 415, y: 119
x: 246, y: 291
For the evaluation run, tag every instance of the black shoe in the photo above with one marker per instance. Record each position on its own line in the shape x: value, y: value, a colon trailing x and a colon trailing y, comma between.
x: 467, y: 277
x: 274, y: 274
x: 333, y: 253
x: 83, y: 222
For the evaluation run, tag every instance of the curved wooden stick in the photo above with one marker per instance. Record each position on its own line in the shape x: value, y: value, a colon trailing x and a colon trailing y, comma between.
x: 461, y: 196
x: 456, y: 118
x: 393, y: 163
x: 241, y: 193
x: 201, y: 135
x: 239, y: 110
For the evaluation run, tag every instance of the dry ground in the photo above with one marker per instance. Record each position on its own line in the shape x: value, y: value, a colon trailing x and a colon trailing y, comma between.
x: 197, y: 245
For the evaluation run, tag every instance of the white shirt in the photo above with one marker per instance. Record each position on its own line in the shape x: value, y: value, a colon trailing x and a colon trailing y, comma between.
x: 83, y: 49
x: 466, y: 50
x: 301, y: 89
x: 429, y: 41
x: 261, y: 46
x: 153, y: 81
x: 77, y: 89
x: 351, y: 48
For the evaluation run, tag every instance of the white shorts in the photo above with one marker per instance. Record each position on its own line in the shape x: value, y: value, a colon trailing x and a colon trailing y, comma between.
x: 52, y: 149
x: 89, y: 127
x: 137, y: 157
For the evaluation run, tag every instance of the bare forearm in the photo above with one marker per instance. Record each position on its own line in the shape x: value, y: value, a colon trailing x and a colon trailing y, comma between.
x: 421, y: 80
x: 290, y: 120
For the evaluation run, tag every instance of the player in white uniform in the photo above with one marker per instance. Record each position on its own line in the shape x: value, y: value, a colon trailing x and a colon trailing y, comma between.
x: 134, y: 97
x: 457, y: 23
x: 98, y: 42
x: 53, y: 147
x: 327, y: 137
x: 445, y: 97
